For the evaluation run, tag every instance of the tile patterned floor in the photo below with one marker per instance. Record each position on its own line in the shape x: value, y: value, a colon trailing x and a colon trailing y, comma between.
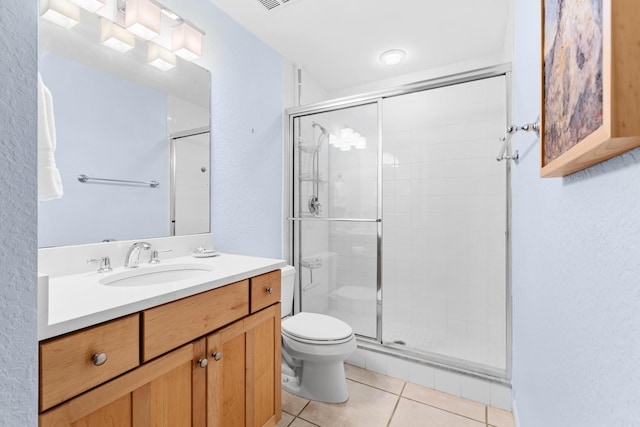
x: 377, y: 400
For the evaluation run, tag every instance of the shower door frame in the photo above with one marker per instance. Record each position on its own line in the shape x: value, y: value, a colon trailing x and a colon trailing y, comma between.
x: 174, y: 139
x: 289, y: 218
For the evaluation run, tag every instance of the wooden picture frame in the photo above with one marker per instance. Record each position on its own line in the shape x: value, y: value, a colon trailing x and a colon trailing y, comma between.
x: 590, y: 83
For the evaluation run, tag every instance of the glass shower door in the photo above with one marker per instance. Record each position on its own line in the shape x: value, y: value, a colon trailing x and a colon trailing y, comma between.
x: 445, y: 217
x: 336, y: 215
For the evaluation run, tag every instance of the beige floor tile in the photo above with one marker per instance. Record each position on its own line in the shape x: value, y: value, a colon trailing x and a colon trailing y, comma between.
x: 367, y: 406
x: 445, y: 401
x: 301, y: 423
x: 374, y: 379
x: 415, y: 414
x: 499, y: 417
x: 285, y: 420
x: 293, y: 404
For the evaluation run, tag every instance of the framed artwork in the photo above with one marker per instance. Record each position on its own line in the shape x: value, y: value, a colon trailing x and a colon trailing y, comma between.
x: 590, y: 82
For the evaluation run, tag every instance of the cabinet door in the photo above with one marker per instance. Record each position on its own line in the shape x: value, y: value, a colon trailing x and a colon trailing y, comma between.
x: 226, y: 377
x: 155, y: 394
x: 263, y: 367
x: 164, y: 401
x: 243, y: 379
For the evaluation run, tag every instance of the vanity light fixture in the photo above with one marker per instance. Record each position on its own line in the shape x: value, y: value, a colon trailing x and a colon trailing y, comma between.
x: 116, y: 37
x: 360, y: 143
x: 346, y: 139
x: 393, y: 56
x: 166, y: 12
x: 142, y: 18
x: 90, y: 5
x: 161, y: 58
x: 60, y: 12
x: 186, y: 41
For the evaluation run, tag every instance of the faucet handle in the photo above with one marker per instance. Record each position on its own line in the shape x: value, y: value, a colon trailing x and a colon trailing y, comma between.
x: 154, y: 255
x: 105, y: 264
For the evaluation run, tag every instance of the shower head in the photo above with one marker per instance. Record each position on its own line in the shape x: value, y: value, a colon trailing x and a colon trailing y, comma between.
x: 322, y: 128
x: 323, y: 135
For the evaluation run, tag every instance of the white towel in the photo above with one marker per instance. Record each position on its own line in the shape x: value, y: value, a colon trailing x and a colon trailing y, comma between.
x: 49, y: 181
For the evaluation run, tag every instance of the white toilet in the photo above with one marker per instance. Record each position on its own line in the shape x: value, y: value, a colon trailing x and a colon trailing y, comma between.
x: 314, y: 348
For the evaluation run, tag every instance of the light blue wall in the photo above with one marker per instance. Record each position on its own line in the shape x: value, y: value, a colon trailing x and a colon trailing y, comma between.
x: 247, y: 200
x: 576, y: 273
x: 127, y: 122
x: 246, y: 169
x: 18, y: 183
x: 246, y: 132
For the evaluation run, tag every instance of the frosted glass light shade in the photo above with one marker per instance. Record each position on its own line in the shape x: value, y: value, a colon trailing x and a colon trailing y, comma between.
x: 60, y: 12
x: 360, y: 143
x: 186, y: 42
x: 142, y: 18
x: 161, y: 58
x: 346, y: 134
x: 116, y: 37
x: 393, y: 56
x: 90, y: 5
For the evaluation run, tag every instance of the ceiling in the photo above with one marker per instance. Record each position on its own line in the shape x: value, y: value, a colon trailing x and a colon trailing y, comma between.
x: 338, y: 42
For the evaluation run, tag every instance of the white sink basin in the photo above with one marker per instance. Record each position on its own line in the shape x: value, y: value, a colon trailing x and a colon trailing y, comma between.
x: 155, y: 275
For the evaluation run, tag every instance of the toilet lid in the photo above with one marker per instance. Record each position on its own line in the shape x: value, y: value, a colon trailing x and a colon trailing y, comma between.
x: 316, y: 327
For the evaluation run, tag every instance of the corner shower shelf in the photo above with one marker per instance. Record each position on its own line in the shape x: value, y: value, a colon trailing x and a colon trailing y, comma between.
x: 308, y: 177
x: 311, y: 263
x: 308, y: 148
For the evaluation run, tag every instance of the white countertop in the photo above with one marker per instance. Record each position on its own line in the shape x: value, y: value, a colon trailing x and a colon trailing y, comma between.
x: 78, y: 300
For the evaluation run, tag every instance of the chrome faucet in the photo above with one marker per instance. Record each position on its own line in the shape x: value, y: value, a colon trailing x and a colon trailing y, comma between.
x: 132, y: 259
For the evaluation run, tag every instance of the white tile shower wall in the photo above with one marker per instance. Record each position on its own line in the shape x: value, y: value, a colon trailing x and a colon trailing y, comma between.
x: 477, y: 389
x: 354, y: 297
x: 317, y: 293
x: 444, y: 222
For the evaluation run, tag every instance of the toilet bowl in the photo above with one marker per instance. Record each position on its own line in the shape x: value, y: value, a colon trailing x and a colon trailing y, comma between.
x: 314, y: 348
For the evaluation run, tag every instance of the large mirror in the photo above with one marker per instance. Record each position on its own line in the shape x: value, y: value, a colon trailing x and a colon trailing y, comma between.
x: 119, y: 119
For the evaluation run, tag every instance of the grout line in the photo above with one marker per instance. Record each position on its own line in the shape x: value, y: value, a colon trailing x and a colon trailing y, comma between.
x: 303, y: 408
x: 306, y: 421
x: 486, y: 415
x: 445, y: 410
x: 393, y: 413
x: 377, y: 388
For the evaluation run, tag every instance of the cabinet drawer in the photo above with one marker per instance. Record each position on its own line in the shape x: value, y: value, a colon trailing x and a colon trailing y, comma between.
x: 66, y: 363
x: 265, y: 290
x: 170, y: 325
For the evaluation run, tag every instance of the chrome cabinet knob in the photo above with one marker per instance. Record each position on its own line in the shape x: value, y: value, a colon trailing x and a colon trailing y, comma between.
x: 269, y: 290
x: 217, y: 356
x: 99, y: 359
x: 203, y: 363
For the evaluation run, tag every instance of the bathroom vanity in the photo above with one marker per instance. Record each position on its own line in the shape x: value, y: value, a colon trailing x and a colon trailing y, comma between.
x: 201, y: 351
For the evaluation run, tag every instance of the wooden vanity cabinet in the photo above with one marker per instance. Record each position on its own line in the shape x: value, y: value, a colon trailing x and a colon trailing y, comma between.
x: 243, y: 376
x: 215, y: 365
x: 76, y: 362
x: 155, y: 394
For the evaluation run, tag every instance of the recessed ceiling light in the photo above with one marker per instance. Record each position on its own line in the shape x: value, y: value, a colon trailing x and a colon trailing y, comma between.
x: 393, y: 56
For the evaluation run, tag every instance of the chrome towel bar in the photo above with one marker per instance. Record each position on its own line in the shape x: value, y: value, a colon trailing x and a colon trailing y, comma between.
x: 84, y: 178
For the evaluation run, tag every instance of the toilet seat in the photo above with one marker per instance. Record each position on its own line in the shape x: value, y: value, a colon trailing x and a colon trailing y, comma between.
x: 314, y: 328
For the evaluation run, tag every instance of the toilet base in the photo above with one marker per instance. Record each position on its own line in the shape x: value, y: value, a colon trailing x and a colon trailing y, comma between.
x: 323, y: 382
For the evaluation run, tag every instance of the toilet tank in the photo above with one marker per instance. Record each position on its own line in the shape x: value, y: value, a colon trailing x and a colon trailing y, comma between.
x: 288, y: 275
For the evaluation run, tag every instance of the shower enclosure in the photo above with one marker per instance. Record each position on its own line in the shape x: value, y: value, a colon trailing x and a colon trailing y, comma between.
x: 399, y: 218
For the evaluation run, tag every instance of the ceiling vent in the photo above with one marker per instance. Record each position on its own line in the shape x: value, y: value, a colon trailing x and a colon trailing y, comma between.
x: 275, y: 4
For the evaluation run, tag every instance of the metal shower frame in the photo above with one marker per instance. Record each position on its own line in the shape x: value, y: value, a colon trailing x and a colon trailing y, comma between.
x: 377, y: 344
